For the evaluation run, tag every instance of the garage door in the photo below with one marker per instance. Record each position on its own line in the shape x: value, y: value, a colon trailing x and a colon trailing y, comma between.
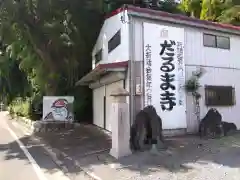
x: 98, y: 106
x: 109, y: 99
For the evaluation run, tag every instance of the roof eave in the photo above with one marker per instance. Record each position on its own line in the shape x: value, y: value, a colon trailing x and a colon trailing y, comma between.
x: 182, y: 22
x: 101, y: 70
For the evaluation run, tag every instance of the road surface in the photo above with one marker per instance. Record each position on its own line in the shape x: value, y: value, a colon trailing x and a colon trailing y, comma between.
x: 21, y: 158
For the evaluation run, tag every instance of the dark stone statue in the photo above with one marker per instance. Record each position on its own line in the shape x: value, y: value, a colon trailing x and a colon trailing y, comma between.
x: 146, y: 130
x: 211, y: 124
x: 228, y: 128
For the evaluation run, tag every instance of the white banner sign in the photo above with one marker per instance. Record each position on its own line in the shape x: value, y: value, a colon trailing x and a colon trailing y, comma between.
x: 164, y: 73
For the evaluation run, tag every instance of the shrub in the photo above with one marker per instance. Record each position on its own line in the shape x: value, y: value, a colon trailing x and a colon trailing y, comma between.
x: 20, y: 107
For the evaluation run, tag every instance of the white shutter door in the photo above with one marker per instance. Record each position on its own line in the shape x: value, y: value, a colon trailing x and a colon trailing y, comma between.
x: 98, y: 105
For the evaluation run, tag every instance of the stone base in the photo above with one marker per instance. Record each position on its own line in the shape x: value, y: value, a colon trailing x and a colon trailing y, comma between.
x: 120, y: 153
x: 174, y: 132
x: 46, y: 126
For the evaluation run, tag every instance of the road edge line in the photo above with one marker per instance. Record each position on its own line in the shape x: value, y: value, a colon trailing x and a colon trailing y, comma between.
x: 53, y: 154
x: 34, y: 164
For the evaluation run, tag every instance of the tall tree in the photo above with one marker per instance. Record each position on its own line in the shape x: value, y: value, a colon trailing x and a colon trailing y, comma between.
x: 231, y: 13
x: 191, y: 7
x: 13, y: 81
x: 212, y: 9
x: 51, y: 36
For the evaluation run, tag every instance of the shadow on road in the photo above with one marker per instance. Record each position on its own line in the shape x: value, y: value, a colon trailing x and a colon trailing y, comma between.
x: 12, y: 151
x: 182, y: 153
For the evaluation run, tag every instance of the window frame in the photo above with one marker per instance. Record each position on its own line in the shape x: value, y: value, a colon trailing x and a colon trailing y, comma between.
x: 216, y: 41
x: 112, y: 45
x: 228, y: 38
x: 219, y: 90
x: 98, y: 54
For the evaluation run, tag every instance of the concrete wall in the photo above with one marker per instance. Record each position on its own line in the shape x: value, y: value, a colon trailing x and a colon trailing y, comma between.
x: 109, y: 29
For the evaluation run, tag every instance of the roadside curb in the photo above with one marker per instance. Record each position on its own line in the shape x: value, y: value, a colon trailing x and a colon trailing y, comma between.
x: 27, y: 122
x: 36, y: 126
x: 54, y: 153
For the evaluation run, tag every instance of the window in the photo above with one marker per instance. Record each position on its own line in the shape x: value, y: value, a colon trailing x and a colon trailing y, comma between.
x: 98, y: 56
x: 114, y: 42
x: 219, y: 95
x: 209, y: 40
x: 221, y: 42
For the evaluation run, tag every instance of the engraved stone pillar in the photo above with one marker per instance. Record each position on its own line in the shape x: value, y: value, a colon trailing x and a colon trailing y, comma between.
x: 120, y: 124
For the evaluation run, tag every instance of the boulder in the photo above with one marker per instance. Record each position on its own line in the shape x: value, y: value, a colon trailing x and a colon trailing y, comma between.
x: 211, y: 124
x: 146, y: 130
x: 228, y: 127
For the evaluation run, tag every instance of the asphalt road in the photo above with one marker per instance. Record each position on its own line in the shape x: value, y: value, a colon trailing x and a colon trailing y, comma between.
x: 21, y: 158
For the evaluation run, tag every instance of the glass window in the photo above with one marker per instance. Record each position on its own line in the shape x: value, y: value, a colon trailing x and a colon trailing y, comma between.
x: 98, y: 56
x: 114, y: 42
x: 209, y: 40
x: 219, y: 96
x: 223, y: 42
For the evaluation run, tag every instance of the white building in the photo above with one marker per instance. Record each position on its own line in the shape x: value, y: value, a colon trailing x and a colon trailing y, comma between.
x: 121, y: 55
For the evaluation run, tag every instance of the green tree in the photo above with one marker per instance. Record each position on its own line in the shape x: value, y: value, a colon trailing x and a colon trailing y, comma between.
x: 231, y: 13
x: 52, y: 38
x: 225, y: 11
x: 51, y: 42
x: 191, y: 7
x: 13, y: 81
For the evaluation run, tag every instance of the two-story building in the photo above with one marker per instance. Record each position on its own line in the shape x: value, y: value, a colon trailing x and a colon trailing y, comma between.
x: 152, y: 54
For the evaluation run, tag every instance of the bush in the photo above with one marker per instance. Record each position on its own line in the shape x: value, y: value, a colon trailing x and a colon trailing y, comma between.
x: 82, y: 103
x: 35, y: 109
x: 20, y: 107
x: 11, y: 111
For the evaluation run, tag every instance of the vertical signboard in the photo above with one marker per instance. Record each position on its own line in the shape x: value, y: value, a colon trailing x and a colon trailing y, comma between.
x: 164, y: 73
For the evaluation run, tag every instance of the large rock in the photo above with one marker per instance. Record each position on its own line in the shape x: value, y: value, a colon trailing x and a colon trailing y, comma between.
x: 46, y: 126
x: 146, y: 130
x: 228, y: 127
x: 211, y: 124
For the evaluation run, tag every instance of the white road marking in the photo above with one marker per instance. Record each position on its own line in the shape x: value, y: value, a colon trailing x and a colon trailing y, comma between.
x: 36, y: 168
x: 59, y: 174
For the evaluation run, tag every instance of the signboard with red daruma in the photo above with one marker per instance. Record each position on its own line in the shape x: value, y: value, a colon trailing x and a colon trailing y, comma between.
x: 58, y: 108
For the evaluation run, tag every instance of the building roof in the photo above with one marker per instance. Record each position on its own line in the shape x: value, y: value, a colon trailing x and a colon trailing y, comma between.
x: 101, y: 70
x: 175, y: 18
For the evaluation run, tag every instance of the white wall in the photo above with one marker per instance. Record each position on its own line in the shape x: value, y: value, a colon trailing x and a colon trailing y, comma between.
x: 197, y: 54
x: 216, y: 76
x: 222, y: 67
x: 109, y: 28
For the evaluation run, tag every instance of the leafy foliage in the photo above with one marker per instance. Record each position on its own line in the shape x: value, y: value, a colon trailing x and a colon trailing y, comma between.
x: 49, y: 42
x: 20, y: 107
x: 191, y: 7
x: 226, y: 11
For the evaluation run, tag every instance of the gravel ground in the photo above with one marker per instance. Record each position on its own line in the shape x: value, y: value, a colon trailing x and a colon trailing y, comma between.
x: 211, y: 160
x: 187, y: 158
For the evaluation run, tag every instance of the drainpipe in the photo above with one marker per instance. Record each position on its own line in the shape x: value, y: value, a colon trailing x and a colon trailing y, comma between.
x: 132, y: 70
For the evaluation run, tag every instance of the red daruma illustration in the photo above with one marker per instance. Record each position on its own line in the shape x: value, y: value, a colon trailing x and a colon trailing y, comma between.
x: 59, y: 111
